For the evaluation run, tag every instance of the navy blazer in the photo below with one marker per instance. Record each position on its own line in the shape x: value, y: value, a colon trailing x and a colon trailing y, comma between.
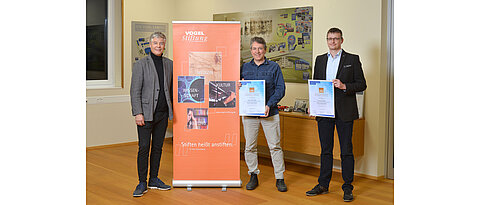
x: 351, y: 74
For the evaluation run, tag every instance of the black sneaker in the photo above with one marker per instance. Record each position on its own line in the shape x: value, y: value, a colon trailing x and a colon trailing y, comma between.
x: 347, y: 195
x: 253, y: 183
x: 156, y: 183
x: 281, y: 186
x: 317, y: 190
x: 140, y: 190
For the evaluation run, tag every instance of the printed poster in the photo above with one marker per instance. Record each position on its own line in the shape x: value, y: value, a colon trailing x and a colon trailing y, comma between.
x: 322, y: 98
x: 222, y: 94
x: 252, y: 98
x: 141, y: 32
x: 207, y: 64
x: 191, y: 89
x: 206, y: 124
x: 289, y: 37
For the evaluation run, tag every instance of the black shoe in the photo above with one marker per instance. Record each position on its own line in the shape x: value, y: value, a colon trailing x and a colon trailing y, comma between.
x: 253, y: 183
x: 281, y: 186
x: 140, y: 189
x: 347, y: 195
x: 156, y: 183
x: 317, y: 190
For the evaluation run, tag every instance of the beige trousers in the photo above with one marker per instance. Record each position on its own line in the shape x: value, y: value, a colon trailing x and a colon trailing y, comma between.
x: 271, y: 128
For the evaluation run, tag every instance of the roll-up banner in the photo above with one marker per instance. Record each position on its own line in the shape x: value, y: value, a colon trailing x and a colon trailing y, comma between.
x: 206, y: 127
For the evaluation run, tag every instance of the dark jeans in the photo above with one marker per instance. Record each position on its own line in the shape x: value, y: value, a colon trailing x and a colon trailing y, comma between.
x: 153, y: 131
x: 326, y: 127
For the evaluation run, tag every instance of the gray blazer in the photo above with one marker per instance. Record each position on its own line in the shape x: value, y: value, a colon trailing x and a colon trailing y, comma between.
x: 144, y: 87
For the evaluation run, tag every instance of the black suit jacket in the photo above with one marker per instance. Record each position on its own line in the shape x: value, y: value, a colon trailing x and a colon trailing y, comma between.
x: 351, y: 74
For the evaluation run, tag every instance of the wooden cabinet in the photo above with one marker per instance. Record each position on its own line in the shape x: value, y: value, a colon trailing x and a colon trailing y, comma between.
x: 300, y: 134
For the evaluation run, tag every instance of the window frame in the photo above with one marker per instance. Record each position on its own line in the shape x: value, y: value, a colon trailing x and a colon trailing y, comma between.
x: 114, y: 16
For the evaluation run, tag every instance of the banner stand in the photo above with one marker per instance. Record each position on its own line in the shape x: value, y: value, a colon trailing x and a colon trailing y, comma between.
x: 206, y: 121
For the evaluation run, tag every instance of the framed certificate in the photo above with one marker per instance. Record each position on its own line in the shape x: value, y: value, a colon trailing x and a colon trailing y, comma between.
x: 252, y: 98
x: 321, y: 98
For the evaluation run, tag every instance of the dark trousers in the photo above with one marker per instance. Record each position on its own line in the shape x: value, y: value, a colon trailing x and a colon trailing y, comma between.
x: 326, y: 127
x: 153, y: 131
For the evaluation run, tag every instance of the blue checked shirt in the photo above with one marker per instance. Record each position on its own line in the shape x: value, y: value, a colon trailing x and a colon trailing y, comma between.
x: 274, y: 83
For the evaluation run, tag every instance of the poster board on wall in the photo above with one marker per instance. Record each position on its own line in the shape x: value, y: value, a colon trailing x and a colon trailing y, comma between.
x: 206, y: 125
x: 289, y: 37
x: 141, y: 32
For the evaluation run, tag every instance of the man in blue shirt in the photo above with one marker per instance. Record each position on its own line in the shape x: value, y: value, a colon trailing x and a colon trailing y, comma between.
x: 260, y: 68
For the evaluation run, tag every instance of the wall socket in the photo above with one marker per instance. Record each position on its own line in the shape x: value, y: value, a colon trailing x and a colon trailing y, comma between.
x: 108, y: 99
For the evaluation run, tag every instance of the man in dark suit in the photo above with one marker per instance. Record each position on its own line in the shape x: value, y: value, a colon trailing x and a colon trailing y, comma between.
x: 151, y: 98
x: 345, y: 70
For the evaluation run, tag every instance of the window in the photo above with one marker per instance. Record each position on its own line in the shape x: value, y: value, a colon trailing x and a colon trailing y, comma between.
x: 103, y: 43
x: 97, y: 40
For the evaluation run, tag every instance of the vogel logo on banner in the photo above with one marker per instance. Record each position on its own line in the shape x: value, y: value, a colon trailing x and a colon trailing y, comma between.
x: 194, y: 36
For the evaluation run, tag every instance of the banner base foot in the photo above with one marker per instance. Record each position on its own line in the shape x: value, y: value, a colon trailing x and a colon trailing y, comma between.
x: 207, y: 183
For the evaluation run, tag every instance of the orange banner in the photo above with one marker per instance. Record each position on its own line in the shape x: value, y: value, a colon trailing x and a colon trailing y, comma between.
x: 206, y: 128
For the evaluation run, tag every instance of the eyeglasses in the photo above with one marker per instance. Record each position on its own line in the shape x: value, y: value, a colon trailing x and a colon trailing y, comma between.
x: 331, y: 39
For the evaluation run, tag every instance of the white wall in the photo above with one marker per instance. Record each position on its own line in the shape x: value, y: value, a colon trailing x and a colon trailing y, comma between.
x: 360, y: 21
x: 113, y: 123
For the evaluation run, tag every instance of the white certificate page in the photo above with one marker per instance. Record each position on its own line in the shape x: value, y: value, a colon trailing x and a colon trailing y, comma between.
x: 252, y: 98
x: 321, y: 98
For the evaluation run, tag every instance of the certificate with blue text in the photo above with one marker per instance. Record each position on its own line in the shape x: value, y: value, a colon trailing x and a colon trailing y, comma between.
x: 252, y: 98
x: 321, y: 98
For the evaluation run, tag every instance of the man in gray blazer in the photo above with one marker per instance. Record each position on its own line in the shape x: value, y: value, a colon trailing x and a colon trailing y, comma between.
x: 151, y: 98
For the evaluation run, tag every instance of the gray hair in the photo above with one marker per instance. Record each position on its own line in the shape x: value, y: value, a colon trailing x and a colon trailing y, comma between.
x: 158, y: 34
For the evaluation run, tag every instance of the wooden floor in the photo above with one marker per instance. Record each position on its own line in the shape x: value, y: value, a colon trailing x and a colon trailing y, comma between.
x: 112, y: 177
